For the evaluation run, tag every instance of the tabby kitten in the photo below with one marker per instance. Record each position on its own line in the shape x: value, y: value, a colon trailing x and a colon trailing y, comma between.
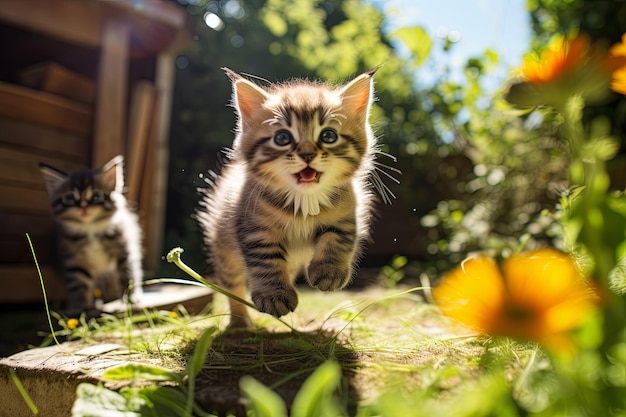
x: 295, y: 198
x: 98, y: 239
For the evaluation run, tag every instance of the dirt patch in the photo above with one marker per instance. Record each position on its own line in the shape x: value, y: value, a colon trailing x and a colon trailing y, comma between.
x: 380, y: 338
x: 281, y: 360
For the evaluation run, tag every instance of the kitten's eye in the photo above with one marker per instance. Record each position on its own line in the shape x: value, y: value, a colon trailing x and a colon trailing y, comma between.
x: 97, y: 198
x: 283, y: 138
x: 328, y: 136
x: 68, y: 199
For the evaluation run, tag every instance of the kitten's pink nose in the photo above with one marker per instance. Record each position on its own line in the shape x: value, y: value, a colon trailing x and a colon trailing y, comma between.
x: 307, y: 156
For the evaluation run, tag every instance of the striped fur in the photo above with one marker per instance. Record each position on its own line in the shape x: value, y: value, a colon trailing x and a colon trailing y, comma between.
x: 98, y: 239
x: 295, y: 198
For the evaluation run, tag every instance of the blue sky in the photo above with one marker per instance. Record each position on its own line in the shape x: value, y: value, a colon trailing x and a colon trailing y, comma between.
x: 502, y: 25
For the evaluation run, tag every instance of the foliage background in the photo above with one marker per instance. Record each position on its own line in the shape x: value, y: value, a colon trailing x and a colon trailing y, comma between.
x: 604, y: 21
x: 472, y: 178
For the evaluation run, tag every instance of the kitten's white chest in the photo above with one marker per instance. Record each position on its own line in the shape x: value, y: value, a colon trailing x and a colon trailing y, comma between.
x: 98, y: 256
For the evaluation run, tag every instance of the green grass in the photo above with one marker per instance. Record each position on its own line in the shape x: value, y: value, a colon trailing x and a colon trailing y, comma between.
x: 382, y: 340
x: 377, y: 351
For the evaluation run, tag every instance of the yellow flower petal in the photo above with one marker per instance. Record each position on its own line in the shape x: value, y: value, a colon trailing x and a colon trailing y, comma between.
x: 471, y: 292
x: 72, y: 324
x: 617, y: 63
x: 539, y: 296
x: 540, y: 277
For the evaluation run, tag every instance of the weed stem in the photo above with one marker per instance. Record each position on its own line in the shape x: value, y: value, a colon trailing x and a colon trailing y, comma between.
x: 43, y: 288
x: 174, y: 257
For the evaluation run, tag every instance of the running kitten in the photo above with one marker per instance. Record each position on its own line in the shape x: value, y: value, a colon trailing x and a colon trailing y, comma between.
x: 295, y: 198
x: 98, y: 239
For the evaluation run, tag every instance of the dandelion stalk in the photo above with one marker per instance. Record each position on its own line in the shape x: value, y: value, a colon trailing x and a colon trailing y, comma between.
x: 174, y: 257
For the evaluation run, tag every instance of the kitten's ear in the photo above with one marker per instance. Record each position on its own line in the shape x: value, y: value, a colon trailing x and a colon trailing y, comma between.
x: 53, y: 177
x: 112, y: 173
x: 247, y: 96
x: 356, y: 96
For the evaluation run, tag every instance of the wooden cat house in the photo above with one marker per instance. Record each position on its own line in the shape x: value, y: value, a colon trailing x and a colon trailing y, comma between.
x: 80, y: 82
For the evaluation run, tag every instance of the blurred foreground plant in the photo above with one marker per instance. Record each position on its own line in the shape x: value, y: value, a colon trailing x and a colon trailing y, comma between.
x: 539, y: 296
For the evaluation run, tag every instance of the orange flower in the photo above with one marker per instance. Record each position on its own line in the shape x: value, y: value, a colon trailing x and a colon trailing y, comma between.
x: 537, y: 296
x: 562, y: 56
x: 566, y: 67
x: 618, y: 52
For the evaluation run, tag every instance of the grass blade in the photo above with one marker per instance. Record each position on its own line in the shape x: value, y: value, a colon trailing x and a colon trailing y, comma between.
x: 263, y: 401
x: 315, y: 398
x: 43, y: 288
x: 18, y: 383
x: 195, y: 365
x: 140, y: 371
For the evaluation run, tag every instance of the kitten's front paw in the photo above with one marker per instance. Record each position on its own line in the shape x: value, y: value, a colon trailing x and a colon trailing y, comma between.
x: 328, y: 277
x: 277, y: 301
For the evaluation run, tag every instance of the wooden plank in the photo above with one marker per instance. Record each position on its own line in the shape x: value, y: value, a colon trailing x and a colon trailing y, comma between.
x: 153, y: 199
x: 110, y: 117
x: 18, y: 224
x: 146, y: 197
x: 156, y: 11
x: 23, y: 200
x: 167, y: 297
x: 56, y: 79
x: 76, y: 21
x: 50, y: 142
x: 20, y: 284
x: 154, y: 26
x: 141, y: 115
x: 25, y: 104
x: 21, y: 168
x: 14, y: 248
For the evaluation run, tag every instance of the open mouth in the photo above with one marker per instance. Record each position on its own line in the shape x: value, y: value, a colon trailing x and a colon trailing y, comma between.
x: 308, y: 175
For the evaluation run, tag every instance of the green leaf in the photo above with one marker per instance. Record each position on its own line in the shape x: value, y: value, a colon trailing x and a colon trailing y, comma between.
x: 315, y: 398
x: 617, y: 205
x: 418, y: 42
x: 275, y: 23
x: 197, y: 362
x: 97, y: 401
x: 263, y: 401
x: 603, y: 224
x: 165, y: 401
x: 139, y: 371
x: 200, y: 352
x: 399, y: 261
x: 491, y: 57
x: 522, y: 94
x: 601, y: 149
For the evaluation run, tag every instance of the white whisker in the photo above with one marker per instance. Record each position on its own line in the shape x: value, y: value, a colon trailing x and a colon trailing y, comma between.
x: 379, y: 167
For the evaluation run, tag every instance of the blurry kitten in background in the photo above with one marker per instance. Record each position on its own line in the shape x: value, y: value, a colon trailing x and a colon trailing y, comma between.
x: 295, y: 198
x: 97, y: 239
